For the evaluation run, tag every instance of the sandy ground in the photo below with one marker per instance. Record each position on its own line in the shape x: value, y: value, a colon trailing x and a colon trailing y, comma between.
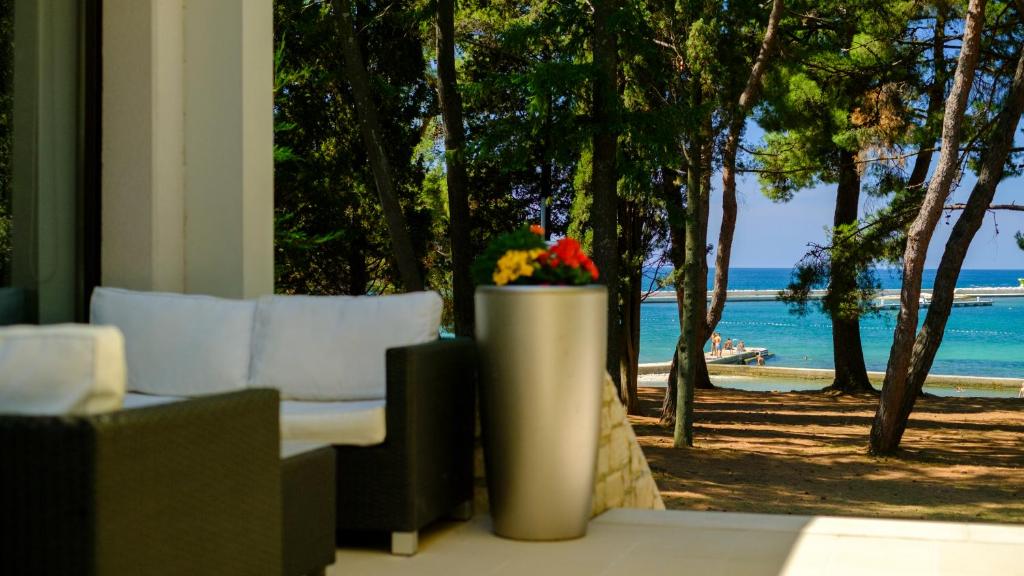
x: 805, y: 453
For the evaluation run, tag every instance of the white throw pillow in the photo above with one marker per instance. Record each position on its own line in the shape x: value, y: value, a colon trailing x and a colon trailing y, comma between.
x: 333, y: 347
x: 178, y: 344
x: 61, y: 369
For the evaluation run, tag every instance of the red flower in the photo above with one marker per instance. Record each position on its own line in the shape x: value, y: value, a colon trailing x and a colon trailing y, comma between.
x: 537, y: 229
x: 568, y: 253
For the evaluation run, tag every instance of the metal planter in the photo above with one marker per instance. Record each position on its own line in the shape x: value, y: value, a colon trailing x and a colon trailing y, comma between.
x: 542, y: 362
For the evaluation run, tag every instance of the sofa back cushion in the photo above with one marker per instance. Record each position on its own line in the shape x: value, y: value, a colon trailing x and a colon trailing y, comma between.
x: 178, y: 344
x: 61, y: 369
x: 332, y: 347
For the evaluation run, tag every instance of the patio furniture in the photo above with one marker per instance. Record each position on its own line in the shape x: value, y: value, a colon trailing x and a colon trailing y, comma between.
x: 13, y: 308
x: 367, y: 375
x: 307, y: 484
x: 189, y: 487
x: 423, y: 470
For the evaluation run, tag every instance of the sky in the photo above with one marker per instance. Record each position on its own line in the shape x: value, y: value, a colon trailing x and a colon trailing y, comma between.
x: 774, y: 235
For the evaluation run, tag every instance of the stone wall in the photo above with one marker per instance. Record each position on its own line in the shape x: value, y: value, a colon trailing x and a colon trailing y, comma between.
x: 623, y: 478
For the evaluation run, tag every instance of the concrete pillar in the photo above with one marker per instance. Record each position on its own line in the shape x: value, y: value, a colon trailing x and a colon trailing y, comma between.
x: 229, y: 133
x: 143, y: 176
x: 188, y: 146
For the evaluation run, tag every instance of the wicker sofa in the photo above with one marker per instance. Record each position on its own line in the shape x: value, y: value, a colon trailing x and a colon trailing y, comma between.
x: 367, y: 375
x: 13, y: 309
x: 190, y: 487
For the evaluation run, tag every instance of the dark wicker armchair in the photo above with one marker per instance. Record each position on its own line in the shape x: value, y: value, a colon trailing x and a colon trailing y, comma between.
x: 190, y: 487
x: 424, y: 469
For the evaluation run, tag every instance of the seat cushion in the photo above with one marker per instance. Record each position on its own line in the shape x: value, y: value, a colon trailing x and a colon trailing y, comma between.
x: 61, y: 369
x: 307, y: 426
x: 177, y: 344
x: 136, y: 400
x: 343, y: 423
x: 333, y: 348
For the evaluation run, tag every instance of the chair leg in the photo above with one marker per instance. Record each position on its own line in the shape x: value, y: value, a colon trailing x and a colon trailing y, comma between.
x: 404, y: 543
x: 463, y: 511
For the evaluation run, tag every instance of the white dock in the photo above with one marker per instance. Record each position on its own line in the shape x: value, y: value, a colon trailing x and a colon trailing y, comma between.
x: 728, y: 357
x: 924, y: 305
x: 736, y: 357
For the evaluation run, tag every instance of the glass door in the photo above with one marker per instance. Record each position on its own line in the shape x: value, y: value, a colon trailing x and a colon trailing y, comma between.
x: 49, y: 159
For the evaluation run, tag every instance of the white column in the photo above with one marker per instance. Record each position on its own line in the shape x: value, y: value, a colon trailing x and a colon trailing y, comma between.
x: 188, y: 146
x: 143, y: 243
x: 229, y: 147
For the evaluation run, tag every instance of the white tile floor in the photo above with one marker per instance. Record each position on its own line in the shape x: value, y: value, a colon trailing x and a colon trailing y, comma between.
x: 647, y: 543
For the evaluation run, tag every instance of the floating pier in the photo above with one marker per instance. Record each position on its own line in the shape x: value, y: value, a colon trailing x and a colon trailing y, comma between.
x: 735, y: 357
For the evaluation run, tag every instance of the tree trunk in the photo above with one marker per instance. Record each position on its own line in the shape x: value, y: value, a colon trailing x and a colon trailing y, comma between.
x: 546, y: 167
x: 748, y: 98
x: 695, y: 290
x: 604, y: 180
x: 933, y: 124
x: 909, y: 365
x: 668, y: 402
x: 702, y: 380
x: 851, y: 373
x: 369, y: 125
x: 359, y: 276
x: 630, y: 246
x: 677, y: 256
x: 455, y: 162
x: 545, y: 197
x: 936, y: 91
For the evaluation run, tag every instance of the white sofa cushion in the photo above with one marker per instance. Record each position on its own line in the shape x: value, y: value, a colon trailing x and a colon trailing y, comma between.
x: 344, y: 423
x: 61, y: 369
x: 333, y: 347
x: 134, y: 400
x: 177, y: 344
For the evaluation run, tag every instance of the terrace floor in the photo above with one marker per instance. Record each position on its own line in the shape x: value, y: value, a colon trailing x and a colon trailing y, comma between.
x: 647, y: 543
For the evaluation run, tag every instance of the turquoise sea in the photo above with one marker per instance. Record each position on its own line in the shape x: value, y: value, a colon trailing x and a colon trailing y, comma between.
x: 982, y: 341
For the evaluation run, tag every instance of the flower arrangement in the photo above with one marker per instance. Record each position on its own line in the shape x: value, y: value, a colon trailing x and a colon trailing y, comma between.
x: 523, y: 257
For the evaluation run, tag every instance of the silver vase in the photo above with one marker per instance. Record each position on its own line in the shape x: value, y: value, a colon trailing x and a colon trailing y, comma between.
x: 542, y: 362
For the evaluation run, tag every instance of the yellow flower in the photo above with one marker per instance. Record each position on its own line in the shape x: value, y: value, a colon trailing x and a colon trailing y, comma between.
x: 515, y: 264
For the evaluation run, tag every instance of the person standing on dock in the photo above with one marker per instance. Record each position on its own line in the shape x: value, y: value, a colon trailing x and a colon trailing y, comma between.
x: 760, y: 359
x: 716, y: 345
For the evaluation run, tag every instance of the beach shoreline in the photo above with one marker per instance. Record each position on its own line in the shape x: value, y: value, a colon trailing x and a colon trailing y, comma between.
x: 823, y: 374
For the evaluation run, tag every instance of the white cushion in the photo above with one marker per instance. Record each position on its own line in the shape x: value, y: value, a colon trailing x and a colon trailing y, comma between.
x: 134, y: 400
x: 62, y: 369
x: 179, y: 345
x: 344, y: 423
x: 292, y: 448
x: 332, y: 347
